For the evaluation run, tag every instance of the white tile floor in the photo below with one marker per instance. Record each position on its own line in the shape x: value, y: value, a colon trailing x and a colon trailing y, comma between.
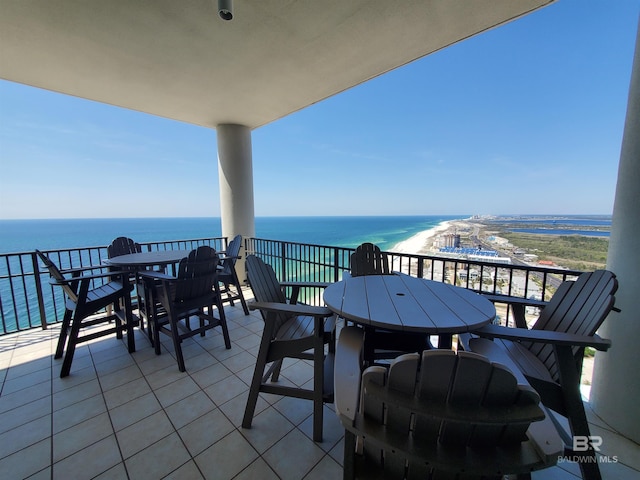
x: 120, y: 416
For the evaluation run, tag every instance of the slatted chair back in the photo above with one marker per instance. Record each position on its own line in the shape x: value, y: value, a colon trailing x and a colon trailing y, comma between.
x: 577, y: 307
x: 123, y: 246
x: 56, y: 274
x: 443, y: 414
x: 369, y: 260
x: 228, y: 276
x: 233, y: 250
x: 265, y: 286
x: 197, y: 275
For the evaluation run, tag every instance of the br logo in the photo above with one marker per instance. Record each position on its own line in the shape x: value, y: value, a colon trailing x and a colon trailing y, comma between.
x: 581, y: 443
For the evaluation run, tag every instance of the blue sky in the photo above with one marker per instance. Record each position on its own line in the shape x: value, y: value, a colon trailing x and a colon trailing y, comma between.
x: 526, y: 118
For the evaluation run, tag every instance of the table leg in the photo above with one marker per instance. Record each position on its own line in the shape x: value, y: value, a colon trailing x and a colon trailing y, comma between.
x: 445, y: 341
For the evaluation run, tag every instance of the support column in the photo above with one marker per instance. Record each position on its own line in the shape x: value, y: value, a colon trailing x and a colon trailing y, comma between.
x: 235, y: 171
x: 616, y: 377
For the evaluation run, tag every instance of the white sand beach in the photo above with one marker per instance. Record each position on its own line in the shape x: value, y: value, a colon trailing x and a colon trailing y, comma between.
x: 422, y: 242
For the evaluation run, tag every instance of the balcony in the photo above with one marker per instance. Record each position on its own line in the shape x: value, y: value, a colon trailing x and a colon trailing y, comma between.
x: 136, y: 416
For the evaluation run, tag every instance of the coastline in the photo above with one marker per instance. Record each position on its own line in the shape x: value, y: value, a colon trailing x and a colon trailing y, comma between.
x: 577, y: 244
x: 423, y: 242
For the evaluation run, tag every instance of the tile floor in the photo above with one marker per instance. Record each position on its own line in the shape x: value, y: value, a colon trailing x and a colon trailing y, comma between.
x: 122, y: 416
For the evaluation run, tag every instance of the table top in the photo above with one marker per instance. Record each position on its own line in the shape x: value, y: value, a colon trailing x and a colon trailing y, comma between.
x: 410, y: 304
x: 147, y: 259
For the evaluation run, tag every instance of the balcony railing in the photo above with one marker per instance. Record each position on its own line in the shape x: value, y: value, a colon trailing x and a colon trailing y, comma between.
x: 28, y: 301
x: 322, y: 263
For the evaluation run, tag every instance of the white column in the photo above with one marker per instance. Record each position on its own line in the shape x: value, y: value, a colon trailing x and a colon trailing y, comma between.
x: 616, y: 377
x: 235, y: 171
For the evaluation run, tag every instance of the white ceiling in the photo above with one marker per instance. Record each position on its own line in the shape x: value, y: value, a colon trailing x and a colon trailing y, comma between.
x: 178, y: 59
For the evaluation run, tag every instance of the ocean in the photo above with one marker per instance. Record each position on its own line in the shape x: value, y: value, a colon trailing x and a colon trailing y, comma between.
x: 562, y: 231
x: 386, y: 232
x: 585, y: 225
x: 397, y: 233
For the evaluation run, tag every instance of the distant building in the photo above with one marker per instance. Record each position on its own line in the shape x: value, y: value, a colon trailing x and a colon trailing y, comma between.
x: 469, y: 251
x: 451, y: 240
x: 473, y: 254
x: 494, y: 259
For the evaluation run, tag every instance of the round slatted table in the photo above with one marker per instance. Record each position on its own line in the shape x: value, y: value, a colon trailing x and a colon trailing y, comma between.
x: 147, y: 259
x: 403, y: 303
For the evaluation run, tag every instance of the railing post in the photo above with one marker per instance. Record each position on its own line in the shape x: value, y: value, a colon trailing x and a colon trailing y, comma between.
x: 36, y: 274
x: 283, y: 256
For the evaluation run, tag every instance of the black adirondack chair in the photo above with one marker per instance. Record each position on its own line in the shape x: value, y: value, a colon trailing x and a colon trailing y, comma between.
x: 228, y: 276
x: 83, y: 304
x: 550, y: 354
x: 441, y: 414
x: 124, y: 246
x: 368, y: 259
x: 290, y: 331
x: 192, y: 293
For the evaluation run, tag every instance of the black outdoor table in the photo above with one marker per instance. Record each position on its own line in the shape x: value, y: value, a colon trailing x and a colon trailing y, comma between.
x: 141, y: 260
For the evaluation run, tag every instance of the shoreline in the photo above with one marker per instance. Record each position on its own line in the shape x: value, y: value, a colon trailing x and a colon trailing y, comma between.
x: 422, y: 242
x: 485, y: 231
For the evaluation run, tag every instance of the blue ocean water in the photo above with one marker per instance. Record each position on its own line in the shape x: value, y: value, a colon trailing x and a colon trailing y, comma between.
x: 562, y: 231
x: 578, y: 220
x: 600, y: 225
x: 27, y: 235
x: 17, y: 236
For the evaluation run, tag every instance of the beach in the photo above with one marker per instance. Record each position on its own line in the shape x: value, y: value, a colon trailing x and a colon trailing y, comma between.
x: 424, y: 242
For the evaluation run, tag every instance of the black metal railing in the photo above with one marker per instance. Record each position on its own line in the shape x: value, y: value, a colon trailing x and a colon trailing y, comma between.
x: 28, y: 301
x: 320, y: 263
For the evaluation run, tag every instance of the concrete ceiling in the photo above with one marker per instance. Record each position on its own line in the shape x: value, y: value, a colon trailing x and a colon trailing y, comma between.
x: 178, y: 59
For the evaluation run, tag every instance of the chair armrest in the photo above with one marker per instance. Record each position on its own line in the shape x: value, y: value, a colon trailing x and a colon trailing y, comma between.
x: 347, y: 378
x: 527, y: 302
x: 76, y: 270
x: 154, y: 275
x: 77, y: 278
x: 543, y: 336
x: 305, y: 284
x: 296, y: 309
x: 223, y: 256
